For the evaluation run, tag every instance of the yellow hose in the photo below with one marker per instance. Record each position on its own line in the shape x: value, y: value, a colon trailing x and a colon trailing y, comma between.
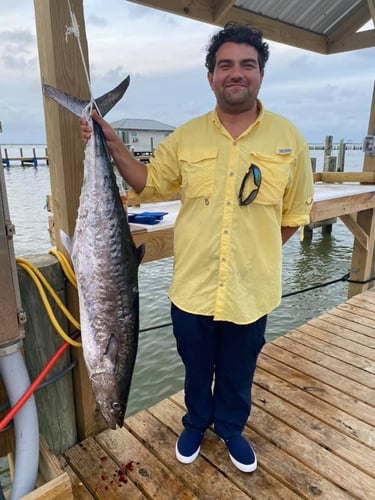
x: 65, y: 265
x: 40, y: 280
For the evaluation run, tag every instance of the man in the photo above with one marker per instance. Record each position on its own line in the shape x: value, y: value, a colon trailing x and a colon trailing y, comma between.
x: 246, y: 186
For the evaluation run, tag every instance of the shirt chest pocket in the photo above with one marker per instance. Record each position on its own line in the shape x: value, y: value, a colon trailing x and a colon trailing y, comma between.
x: 198, y: 173
x: 275, y: 170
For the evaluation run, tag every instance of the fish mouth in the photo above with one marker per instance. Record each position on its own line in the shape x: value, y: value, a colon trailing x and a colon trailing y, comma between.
x: 113, y: 416
x: 110, y: 401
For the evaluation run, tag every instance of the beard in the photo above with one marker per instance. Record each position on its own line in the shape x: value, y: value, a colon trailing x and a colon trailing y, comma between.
x: 237, y: 99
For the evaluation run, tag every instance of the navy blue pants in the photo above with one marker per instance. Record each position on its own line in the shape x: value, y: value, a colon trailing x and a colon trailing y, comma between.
x: 220, y: 352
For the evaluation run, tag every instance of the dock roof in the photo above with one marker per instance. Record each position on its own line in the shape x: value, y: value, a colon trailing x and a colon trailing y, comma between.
x: 316, y: 25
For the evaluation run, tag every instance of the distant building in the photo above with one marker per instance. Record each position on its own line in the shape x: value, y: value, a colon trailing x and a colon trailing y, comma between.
x: 141, y: 136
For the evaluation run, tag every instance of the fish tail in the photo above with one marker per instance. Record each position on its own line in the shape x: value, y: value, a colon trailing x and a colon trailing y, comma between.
x: 76, y: 106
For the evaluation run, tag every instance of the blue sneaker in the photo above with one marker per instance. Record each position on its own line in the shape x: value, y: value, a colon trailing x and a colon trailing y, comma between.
x: 188, y: 445
x: 241, y: 453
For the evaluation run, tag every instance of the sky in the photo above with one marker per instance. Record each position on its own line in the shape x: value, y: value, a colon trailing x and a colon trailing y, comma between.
x: 164, y: 55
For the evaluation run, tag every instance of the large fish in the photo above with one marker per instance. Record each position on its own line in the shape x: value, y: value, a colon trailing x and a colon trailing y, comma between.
x: 105, y: 262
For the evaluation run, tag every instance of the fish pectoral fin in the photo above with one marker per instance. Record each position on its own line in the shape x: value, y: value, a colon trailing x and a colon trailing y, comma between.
x: 111, y: 350
x: 140, y: 252
x: 67, y: 241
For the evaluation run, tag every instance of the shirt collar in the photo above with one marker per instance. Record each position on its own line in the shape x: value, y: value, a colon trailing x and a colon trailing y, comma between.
x: 216, y: 120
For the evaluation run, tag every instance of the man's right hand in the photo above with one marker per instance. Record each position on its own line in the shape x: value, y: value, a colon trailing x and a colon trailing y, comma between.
x: 86, y: 129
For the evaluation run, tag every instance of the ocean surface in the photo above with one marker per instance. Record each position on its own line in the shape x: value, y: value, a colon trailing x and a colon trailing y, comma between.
x: 159, y: 372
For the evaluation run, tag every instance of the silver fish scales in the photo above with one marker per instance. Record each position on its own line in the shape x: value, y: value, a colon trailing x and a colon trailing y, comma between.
x: 105, y: 262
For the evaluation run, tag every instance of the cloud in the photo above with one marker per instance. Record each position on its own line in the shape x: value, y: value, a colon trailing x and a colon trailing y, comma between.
x: 164, y: 55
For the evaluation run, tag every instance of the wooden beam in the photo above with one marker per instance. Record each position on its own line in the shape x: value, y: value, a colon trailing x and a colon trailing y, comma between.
x: 221, y: 8
x: 158, y: 244
x: 371, y: 6
x: 362, y: 258
x: 59, y: 488
x: 369, y: 161
x: 204, y: 10
x: 368, y: 177
x: 352, y: 24
x: 61, y: 66
x: 355, y: 41
x: 360, y: 235
x: 336, y: 207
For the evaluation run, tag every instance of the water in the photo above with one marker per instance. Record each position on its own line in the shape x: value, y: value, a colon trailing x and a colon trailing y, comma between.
x: 159, y: 372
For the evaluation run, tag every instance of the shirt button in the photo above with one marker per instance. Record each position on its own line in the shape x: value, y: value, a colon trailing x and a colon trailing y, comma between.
x: 207, y: 201
x: 228, y: 203
x: 234, y: 143
x: 231, y: 174
x: 225, y: 231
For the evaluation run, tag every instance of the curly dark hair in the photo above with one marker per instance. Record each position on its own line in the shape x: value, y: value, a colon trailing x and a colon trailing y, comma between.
x: 237, y: 33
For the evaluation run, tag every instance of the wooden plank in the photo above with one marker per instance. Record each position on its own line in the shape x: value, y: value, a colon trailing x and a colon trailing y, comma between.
x: 143, y: 468
x: 260, y: 485
x: 317, y: 380
x: 321, y: 411
x: 320, y: 358
x: 363, y: 306
x: 345, y: 447
x: 7, y: 436
x: 357, y: 315
x: 303, y: 335
x: 348, y: 312
x: 59, y: 488
x: 335, y: 207
x: 319, y: 459
x: 280, y: 466
x: 344, y: 177
x: 160, y: 437
x: 80, y: 492
x: 55, y: 403
x: 158, y: 244
x: 304, y: 360
x: 329, y: 323
x: 102, y: 476
x: 49, y: 465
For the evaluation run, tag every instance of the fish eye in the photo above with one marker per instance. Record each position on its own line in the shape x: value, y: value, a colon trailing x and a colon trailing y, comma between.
x: 116, y: 405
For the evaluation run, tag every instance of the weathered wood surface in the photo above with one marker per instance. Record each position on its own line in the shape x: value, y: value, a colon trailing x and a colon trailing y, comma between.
x: 312, y: 426
x: 55, y: 403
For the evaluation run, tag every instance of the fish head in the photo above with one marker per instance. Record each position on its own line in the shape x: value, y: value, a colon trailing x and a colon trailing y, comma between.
x: 109, y: 398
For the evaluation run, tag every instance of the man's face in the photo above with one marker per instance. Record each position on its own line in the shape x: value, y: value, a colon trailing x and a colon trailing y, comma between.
x: 236, y: 78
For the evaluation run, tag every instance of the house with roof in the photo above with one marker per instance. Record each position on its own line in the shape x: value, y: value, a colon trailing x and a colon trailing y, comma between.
x: 141, y: 136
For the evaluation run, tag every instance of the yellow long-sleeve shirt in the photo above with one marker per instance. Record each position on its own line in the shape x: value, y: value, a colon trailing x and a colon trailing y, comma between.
x: 228, y: 257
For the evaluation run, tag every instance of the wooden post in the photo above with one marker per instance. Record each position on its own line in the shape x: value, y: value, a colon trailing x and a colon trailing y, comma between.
x: 341, y: 156
x: 327, y: 152
x: 313, y: 164
x: 362, y: 266
x: 55, y: 403
x: 61, y: 66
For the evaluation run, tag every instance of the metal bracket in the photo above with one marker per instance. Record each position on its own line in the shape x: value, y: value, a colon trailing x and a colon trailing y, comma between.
x: 10, y: 230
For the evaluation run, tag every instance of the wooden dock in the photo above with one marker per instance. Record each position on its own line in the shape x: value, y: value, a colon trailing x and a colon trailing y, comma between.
x: 22, y: 159
x: 312, y: 426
